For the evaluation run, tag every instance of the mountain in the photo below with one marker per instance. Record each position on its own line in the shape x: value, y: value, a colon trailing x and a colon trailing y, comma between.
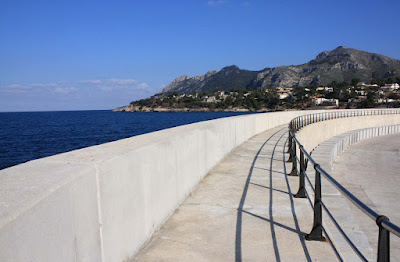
x: 230, y: 77
x: 341, y: 65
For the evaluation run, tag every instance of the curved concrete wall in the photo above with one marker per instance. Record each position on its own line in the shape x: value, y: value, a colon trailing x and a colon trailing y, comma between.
x: 338, y: 144
x: 312, y: 135
x: 327, y: 138
x: 104, y: 202
x: 325, y: 154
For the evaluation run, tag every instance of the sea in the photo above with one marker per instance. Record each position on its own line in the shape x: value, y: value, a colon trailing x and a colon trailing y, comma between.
x: 26, y: 136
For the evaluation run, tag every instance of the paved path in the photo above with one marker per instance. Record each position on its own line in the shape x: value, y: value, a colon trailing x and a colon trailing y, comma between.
x: 242, y: 211
x: 370, y: 169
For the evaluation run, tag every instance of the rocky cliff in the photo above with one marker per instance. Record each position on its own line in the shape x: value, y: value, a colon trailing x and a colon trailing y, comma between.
x: 341, y: 64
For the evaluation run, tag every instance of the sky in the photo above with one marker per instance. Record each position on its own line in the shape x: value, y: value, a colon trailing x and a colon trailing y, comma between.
x: 98, y: 54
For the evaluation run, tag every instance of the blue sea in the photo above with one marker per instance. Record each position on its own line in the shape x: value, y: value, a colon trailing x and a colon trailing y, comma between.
x: 32, y: 135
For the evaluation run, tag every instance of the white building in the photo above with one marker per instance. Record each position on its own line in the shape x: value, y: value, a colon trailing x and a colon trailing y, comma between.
x: 326, y: 89
x: 283, y: 92
x: 212, y: 99
x: 391, y: 87
x: 323, y: 100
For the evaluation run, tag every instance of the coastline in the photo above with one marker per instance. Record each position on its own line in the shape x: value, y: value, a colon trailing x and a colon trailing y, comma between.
x: 131, y: 108
x: 184, y: 109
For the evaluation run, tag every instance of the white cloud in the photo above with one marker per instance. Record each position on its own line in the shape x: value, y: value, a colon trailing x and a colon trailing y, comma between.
x: 122, y: 81
x: 216, y: 2
x: 94, y: 82
x: 65, y: 90
x: 73, y: 95
x: 16, y: 86
x: 92, y: 90
x: 114, y: 84
x: 44, y: 85
x: 29, y: 86
x: 143, y: 86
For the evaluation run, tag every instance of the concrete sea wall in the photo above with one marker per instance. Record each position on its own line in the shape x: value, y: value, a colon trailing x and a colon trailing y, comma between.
x: 326, y: 140
x: 325, y: 154
x: 338, y: 144
x: 312, y: 135
x: 103, y: 203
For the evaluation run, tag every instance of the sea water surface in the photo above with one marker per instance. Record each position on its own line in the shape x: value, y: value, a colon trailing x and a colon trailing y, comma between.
x: 31, y: 135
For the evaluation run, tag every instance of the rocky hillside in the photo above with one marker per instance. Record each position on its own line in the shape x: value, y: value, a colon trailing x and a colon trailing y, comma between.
x: 341, y: 64
x: 230, y: 77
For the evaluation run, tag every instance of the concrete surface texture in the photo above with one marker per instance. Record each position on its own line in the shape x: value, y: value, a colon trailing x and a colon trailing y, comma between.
x: 243, y: 211
x: 103, y: 203
x: 337, y: 204
x: 370, y: 170
x: 313, y: 135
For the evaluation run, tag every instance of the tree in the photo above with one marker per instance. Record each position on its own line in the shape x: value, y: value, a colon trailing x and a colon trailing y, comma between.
x: 228, y: 101
x: 394, y: 96
x: 354, y: 81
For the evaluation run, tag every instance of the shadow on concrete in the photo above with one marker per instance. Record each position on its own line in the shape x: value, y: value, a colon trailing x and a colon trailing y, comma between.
x: 296, y: 222
x: 271, y: 211
x: 275, y: 223
x: 266, y: 169
x: 238, y: 240
x: 277, y: 190
x: 270, y: 220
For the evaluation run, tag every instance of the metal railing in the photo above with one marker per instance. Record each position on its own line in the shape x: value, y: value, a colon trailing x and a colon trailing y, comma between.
x: 383, y: 222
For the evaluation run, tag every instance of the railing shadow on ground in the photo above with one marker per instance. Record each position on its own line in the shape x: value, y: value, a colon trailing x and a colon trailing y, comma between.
x: 384, y: 225
x: 238, y: 235
x: 296, y: 221
x: 270, y: 220
x: 295, y: 124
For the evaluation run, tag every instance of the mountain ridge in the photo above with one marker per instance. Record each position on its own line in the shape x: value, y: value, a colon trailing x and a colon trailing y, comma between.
x: 341, y: 64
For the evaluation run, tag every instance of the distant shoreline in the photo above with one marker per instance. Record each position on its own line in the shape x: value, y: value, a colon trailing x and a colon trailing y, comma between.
x: 205, y: 109
x: 185, y: 109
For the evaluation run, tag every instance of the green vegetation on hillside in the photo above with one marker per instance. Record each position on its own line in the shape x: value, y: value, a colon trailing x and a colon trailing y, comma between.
x: 347, y: 95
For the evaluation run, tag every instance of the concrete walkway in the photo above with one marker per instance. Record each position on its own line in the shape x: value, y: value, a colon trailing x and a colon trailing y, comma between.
x: 242, y: 211
x: 370, y: 170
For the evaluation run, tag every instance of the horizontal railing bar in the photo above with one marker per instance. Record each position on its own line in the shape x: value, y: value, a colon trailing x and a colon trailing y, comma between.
x: 305, y: 120
x: 348, y: 240
x: 341, y: 231
x: 368, y: 211
x: 391, y: 227
x: 323, y: 228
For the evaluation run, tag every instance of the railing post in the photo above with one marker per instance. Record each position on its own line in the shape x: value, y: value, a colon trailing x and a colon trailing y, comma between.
x: 294, y: 161
x: 290, y: 159
x: 316, y: 232
x: 290, y: 140
x: 299, y: 122
x: 383, y: 241
x: 301, y: 193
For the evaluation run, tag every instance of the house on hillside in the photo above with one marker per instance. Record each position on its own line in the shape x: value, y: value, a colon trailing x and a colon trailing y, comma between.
x: 325, y: 89
x: 324, y: 101
x: 361, y: 92
x: 390, y: 87
x: 284, y: 92
x: 212, y: 99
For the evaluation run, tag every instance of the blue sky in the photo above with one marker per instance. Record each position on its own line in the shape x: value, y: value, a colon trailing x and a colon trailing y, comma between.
x: 79, y: 55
